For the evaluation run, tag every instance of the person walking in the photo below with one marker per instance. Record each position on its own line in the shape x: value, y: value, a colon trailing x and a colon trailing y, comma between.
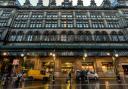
x: 18, y: 80
x: 68, y: 77
x: 5, y: 81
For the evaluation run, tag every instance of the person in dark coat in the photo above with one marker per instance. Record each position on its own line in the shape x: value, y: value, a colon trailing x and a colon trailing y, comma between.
x: 118, y: 78
x: 68, y: 77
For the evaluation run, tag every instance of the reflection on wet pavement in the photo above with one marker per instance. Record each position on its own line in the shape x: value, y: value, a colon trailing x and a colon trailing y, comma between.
x: 61, y: 84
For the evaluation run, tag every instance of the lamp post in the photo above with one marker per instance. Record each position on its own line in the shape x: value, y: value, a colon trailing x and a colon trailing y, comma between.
x: 84, y: 58
x: 54, y: 58
x: 115, y: 63
x: 4, y: 54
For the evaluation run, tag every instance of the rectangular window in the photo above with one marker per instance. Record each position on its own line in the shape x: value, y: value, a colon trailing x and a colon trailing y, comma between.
x: 110, y: 14
x: 23, y: 15
x: 36, y: 24
x: 6, y: 13
x: 20, y: 23
x: 95, y: 15
x: 67, y: 15
x: 113, y: 24
x: 3, y: 22
x: 51, y: 24
x: 67, y: 23
x: 97, y: 24
x: 52, y: 15
x: 82, y: 24
x: 37, y: 15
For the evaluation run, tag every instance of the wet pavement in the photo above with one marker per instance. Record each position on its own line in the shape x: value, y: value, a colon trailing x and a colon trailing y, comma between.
x: 60, y: 83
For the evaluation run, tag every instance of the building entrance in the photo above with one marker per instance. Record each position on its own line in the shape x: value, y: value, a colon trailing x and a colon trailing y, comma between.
x: 125, y: 68
x: 48, y: 67
x: 88, y: 66
x: 66, y: 68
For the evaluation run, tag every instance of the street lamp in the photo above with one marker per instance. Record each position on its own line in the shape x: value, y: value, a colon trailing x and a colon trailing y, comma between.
x: 22, y: 55
x: 54, y: 57
x: 85, y: 55
x: 116, y: 55
x: 115, y: 63
x: 5, y: 54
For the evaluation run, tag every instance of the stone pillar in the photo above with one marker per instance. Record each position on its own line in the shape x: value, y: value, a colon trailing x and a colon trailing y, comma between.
x: 59, y: 20
x: 74, y: 19
x: 99, y: 67
x: 57, y: 67
x: 45, y: 14
x: 78, y: 64
x: 37, y: 63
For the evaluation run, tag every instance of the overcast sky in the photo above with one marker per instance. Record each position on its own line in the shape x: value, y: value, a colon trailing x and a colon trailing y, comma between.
x: 86, y: 2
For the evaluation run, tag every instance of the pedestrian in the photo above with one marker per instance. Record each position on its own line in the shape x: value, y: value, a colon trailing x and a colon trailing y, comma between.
x: 68, y: 77
x: 118, y: 78
x: 5, y: 81
x: 18, y: 80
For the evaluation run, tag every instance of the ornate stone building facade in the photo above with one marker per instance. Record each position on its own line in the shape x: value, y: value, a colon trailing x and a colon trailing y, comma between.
x: 91, y: 37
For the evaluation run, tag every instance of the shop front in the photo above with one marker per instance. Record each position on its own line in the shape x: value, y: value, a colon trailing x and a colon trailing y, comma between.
x: 61, y: 66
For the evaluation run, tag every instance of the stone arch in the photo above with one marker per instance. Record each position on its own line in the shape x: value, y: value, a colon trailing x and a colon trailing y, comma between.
x: 88, y: 36
x: 53, y: 36
x: 46, y: 33
x: 53, y: 33
x: 113, y: 33
x: 63, y: 33
x: 105, y: 36
x: 114, y: 36
x: 12, y: 36
x: 80, y: 33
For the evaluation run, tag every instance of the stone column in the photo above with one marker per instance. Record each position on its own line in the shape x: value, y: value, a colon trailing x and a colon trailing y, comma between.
x: 99, y: 67
x: 37, y: 63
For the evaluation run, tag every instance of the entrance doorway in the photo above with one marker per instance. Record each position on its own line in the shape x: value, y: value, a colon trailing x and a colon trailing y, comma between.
x: 125, y: 68
x: 66, y: 68
x: 88, y: 66
x: 48, y: 67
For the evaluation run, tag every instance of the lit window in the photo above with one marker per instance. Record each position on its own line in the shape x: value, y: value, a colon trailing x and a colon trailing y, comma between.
x: 12, y: 36
x: 20, y: 23
x: 19, y: 36
x: 22, y: 15
x: 36, y: 24
x: 51, y: 24
x: 6, y: 13
x: 3, y: 22
x: 67, y: 23
x: 121, y: 36
x: 114, y: 36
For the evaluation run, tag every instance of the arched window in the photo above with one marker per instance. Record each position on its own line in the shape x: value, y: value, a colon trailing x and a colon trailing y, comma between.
x: 97, y: 36
x: 70, y: 36
x: 20, y: 36
x: 0, y: 35
x: 126, y: 37
x: 63, y: 36
x: 114, y: 36
x: 105, y: 36
x: 53, y: 36
x: 36, y: 36
x: 80, y: 36
x: 88, y: 36
x: 12, y: 36
x: 29, y: 36
x: 45, y: 36
x: 121, y: 36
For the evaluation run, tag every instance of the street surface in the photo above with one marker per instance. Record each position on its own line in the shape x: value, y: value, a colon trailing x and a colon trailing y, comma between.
x: 60, y: 83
